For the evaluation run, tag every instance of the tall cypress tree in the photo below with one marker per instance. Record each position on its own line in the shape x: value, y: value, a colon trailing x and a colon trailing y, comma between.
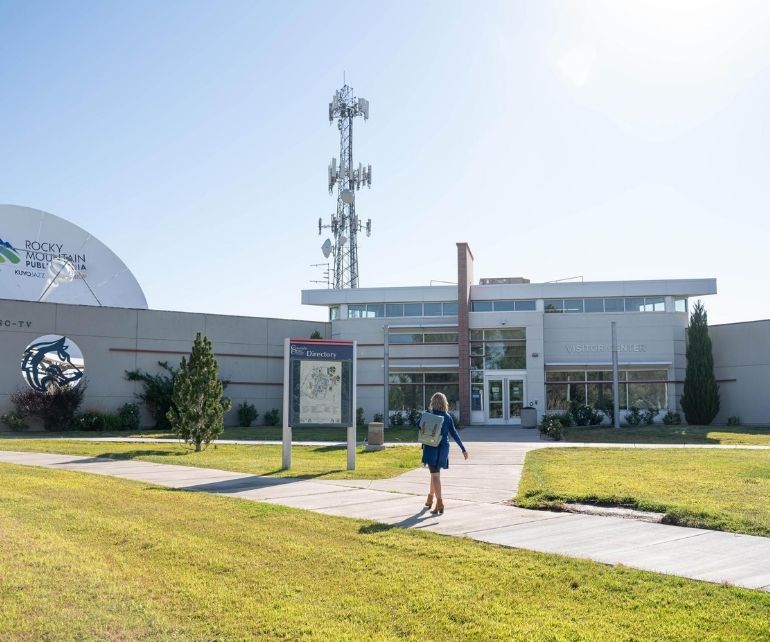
x: 700, y: 398
x: 197, y: 412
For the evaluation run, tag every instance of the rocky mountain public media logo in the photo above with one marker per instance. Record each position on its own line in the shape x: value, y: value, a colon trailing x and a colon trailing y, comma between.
x: 8, y: 252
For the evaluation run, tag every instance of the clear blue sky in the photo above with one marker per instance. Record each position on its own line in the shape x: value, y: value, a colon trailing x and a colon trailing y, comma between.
x: 608, y: 140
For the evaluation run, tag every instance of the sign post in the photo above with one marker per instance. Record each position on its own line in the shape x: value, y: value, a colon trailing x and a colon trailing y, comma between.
x: 319, y: 390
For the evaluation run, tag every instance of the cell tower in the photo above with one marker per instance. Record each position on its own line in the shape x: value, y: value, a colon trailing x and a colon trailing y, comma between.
x: 345, y: 224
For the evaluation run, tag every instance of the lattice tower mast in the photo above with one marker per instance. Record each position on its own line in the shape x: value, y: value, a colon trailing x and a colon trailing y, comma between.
x: 345, y: 224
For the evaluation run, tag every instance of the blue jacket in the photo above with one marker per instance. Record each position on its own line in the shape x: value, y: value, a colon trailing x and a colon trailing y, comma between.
x: 439, y: 455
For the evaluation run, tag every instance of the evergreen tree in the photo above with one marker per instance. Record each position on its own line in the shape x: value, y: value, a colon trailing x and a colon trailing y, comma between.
x: 700, y: 399
x: 197, y: 412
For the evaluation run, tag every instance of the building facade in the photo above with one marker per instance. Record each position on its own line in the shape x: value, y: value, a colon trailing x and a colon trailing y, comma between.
x: 500, y: 345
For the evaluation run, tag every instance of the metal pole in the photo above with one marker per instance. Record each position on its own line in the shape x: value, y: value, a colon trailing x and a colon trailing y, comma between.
x: 286, y: 432
x: 352, y: 427
x: 386, y: 376
x: 615, y: 376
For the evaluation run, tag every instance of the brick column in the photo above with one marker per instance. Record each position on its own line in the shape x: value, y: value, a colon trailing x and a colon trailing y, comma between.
x: 464, y: 282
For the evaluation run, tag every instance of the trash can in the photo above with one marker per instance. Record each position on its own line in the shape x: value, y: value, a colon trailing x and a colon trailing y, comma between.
x: 529, y: 417
x: 375, y: 438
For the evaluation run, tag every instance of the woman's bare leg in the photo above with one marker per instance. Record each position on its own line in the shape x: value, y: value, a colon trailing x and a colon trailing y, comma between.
x: 435, y: 479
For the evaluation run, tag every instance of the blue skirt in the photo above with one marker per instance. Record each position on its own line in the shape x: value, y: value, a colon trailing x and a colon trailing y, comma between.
x: 436, y: 455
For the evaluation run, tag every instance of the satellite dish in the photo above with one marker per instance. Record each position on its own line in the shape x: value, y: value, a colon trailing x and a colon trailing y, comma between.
x: 326, y: 248
x: 60, y: 271
x: 347, y: 196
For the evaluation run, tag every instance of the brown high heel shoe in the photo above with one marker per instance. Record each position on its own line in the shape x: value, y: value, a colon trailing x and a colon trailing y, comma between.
x: 429, y: 501
x: 439, y: 510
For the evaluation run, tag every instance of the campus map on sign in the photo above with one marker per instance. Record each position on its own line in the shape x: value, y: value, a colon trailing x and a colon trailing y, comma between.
x: 320, y: 393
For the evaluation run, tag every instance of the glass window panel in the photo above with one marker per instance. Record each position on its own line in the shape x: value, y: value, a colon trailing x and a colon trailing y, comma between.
x: 406, y: 397
x: 556, y: 396
x: 503, y: 334
x: 405, y: 338
x: 477, y: 396
x: 375, y: 310
x: 503, y: 356
x: 451, y: 391
x: 481, y: 306
x: 576, y: 375
x: 614, y: 305
x: 477, y: 363
x: 477, y: 377
x: 599, y: 394
x: 431, y: 309
x: 554, y: 305
x: 394, y: 309
x: 577, y: 392
x: 680, y: 305
x: 441, y: 377
x: 334, y: 312
x: 356, y: 311
x: 555, y: 375
x: 599, y: 375
x: 635, y: 304
x: 594, y: 305
x: 504, y: 306
x: 573, y: 305
x: 647, y: 395
x: 654, y: 304
x: 412, y: 309
x: 647, y: 375
x: 405, y: 377
x: 450, y: 309
x: 525, y: 305
x: 623, y: 394
x: 477, y: 349
x: 440, y: 337
x: 477, y: 335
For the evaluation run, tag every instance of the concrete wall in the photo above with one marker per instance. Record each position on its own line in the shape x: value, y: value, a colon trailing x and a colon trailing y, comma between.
x: 249, y: 350
x: 742, y: 352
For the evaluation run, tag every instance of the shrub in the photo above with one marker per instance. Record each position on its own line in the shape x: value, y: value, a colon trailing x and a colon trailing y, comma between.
x: 672, y: 418
x: 360, y: 417
x: 396, y: 419
x: 272, y: 417
x: 633, y: 418
x: 413, y: 417
x: 316, y: 335
x: 158, y: 391
x: 734, y: 421
x: 198, y: 407
x: 128, y: 417
x: 90, y: 420
x: 247, y: 413
x: 377, y: 417
x: 14, y: 421
x: 583, y: 415
x: 551, y: 427
x: 565, y: 419
x: 56, y: 407
x: 648, y: 416
x: 608, y: 409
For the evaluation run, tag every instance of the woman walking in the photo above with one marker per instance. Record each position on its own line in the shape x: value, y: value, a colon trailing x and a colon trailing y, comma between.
x: 437, y: 457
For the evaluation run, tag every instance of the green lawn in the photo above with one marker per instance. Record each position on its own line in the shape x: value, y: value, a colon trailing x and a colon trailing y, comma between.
x: 716, y: 489
x: 86, y: 557
x: 329, y: 462
x: 661, y: 434
x: 236, y: 432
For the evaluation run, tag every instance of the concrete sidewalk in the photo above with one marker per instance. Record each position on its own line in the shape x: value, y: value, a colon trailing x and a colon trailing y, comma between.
x: 475, y: 493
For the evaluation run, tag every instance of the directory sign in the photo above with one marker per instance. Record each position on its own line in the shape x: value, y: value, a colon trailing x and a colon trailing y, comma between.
x: 321, y: 383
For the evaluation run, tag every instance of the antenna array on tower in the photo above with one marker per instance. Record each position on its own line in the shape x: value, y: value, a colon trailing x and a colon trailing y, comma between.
x: 345, y: 223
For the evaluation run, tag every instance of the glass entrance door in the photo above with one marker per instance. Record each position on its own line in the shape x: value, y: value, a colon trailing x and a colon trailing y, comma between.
x: 505, y: 399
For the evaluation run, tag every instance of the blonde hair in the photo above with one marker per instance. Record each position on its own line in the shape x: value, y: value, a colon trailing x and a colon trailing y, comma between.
x: 438, y: 402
